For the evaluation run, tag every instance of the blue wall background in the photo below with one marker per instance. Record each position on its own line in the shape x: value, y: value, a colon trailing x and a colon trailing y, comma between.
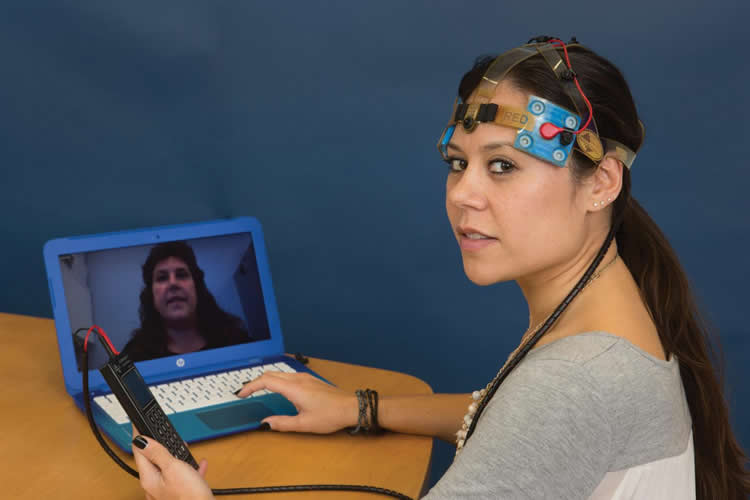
x: 320, y: 119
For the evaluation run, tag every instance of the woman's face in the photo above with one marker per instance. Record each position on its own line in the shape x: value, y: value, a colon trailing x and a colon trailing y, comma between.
x: 513, y: 215
x: 174, y: 290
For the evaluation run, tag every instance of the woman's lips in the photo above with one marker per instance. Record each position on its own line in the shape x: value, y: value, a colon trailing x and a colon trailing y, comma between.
x: 473, y: 241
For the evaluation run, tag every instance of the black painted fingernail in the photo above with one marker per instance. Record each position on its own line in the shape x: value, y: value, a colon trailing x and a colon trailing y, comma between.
x: 264, y: 426
x: 237, y: 393
x: 140, y: 442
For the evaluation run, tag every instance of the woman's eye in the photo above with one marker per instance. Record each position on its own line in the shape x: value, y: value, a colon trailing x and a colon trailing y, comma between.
x: 182, y: 274
x: 501, y: 166
x: 456, y: 164
x: 161, y: 278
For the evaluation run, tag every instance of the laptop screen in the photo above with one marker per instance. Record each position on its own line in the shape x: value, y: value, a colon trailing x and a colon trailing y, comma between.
x: 165, y: 299
x: 175, y: 297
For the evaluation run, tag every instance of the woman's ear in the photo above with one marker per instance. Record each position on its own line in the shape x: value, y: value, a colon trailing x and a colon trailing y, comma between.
x: 605, y: 184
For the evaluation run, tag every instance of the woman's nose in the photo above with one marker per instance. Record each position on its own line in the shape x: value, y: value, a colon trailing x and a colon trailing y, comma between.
x: 468, y: 189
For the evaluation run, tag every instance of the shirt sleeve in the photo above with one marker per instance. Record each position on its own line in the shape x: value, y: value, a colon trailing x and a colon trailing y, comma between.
x: 545, y: 434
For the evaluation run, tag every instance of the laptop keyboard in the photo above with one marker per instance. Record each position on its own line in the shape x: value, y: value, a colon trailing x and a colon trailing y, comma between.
x: 198, y: 392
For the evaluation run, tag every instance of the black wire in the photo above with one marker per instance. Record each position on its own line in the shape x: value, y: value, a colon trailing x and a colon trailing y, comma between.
x: 224, y: 491
x: 311, y: 487
x: 545, y: 327
x: 92, y: 423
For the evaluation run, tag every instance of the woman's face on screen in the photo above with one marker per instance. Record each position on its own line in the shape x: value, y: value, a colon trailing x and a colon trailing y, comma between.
x: 512, y: 214
x: 174, y: 292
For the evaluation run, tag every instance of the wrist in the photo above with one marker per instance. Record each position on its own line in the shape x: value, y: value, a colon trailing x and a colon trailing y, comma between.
x: 351, y: 411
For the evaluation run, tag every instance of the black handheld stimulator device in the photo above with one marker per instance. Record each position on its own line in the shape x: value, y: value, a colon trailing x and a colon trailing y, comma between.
x: 144, y: 412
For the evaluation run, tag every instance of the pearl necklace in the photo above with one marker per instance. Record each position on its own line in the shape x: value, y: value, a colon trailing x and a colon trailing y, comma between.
x: 478, y: 396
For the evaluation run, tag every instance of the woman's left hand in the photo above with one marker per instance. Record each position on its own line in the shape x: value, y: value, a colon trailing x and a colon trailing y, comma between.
x: 164, y: 477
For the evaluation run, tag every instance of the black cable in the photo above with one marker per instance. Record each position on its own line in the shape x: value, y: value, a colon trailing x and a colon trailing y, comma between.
x: 92, y: 423
x: 311, y: 487
x: 224, y: 491
x: 545, y: 327
x: 301, y: 358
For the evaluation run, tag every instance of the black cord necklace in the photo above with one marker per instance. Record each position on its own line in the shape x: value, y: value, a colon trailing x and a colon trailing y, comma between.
x: 504, y: 372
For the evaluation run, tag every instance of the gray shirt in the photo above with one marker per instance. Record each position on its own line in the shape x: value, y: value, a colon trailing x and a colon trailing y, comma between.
x: 570, y: 414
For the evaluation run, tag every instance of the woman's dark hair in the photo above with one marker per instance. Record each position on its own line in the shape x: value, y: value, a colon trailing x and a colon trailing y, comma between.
x: 719, y: 460
x: 217, y: 327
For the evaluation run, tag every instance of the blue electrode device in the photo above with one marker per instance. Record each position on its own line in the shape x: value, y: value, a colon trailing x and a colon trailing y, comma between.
x: 540, y: 115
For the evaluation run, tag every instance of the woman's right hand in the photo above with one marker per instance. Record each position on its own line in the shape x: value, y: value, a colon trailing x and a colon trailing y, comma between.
x: 322, y: 408
x: 164, y: 477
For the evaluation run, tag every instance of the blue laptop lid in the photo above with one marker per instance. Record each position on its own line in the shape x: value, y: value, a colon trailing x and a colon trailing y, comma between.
x: 98, y: 279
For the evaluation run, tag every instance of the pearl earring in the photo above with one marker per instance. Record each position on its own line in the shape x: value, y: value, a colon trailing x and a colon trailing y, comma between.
x: 596, y: 204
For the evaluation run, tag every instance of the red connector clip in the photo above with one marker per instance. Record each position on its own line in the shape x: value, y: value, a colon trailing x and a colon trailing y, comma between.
x: 102, y: 335
x: 549, y: 130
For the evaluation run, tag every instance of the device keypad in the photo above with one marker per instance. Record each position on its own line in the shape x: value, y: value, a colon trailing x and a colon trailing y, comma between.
x: 167, y: 435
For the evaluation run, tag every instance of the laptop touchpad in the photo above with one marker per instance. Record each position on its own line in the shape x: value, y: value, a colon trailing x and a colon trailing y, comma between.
x: 235, y: 415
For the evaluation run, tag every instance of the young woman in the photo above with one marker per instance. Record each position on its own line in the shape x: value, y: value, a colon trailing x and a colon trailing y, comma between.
x: 611, y: 393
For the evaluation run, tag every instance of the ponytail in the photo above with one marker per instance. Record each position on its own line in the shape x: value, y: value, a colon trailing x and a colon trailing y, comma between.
x: 719, y: 460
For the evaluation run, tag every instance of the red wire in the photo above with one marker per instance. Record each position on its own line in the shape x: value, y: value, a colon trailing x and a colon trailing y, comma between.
x: 103, y: 334
x: 559, y: 42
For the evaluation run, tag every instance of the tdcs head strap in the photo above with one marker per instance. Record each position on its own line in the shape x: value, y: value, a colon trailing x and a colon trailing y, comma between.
x: 527, y: 122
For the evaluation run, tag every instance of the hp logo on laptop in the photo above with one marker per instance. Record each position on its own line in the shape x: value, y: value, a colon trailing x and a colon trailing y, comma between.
x: 180, y: 362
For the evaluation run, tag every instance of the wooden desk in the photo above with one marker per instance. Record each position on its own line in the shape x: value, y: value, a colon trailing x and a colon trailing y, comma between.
x: 48, y: 449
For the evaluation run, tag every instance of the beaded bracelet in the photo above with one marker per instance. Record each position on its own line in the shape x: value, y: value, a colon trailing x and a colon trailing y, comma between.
x: 362, y: 418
